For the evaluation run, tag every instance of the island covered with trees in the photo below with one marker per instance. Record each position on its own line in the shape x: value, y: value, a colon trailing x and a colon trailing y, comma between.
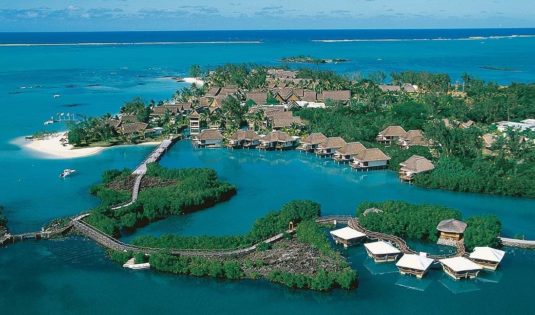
x: 164, y: 192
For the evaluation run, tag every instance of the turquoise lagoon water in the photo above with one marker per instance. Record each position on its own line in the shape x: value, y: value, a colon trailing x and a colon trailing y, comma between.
x: 74, y: 275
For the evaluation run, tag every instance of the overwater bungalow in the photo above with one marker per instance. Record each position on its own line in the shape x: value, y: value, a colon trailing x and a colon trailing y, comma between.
x: 391, y: 134
x: 487, y: 257
x: 370, y: 159
x: 311, y: 142
x: 451, y: 231
x: 382, y: 251
x: 416, y: 265
x: 277, y: 140
x: 412, y: 138
x: 346, y: 153
x: 414, y: 165
x: 243, y: 139
x: 329, y: 146
x: 460, y: 268
x: 209, y: 138
x: 347, y: 236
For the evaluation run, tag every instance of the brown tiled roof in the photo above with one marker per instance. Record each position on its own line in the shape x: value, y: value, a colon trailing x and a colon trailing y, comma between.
x: 315, y: 138
x: 415, y: 137
x: 210, y: 134
x: 451, y: 226
x: 333, y: 143
x: 277, y: 136
x: 369, y: 155
x: 214, y: 91
x: 393, y: 131
x: 351, y: 148
x: 228, y: 90
x: 278, y: 113
x: 161, y: 110
x: 205, y: 101
x: 417, y: 164
x: 309, y: 96
x: 259, y: 98
x: 185, y: 106
x: 343, y: 95
x: 129, y: 128
x: 285, y: 122
x: 245, y: 135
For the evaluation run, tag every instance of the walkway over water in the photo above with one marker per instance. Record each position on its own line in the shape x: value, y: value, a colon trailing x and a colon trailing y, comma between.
x: 141, y: 170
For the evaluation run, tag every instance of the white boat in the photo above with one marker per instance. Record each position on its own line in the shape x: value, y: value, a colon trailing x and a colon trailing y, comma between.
x: 66, y: 172
x: 57, y: 95
x: 49, y: 122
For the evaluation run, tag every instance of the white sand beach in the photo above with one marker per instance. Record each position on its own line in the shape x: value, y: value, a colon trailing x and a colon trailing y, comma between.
x: 195, y: 81
x: 51, y: 147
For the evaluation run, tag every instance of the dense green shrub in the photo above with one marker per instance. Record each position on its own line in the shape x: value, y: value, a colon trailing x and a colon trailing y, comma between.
x: 188, y: 190
x: 482, y: 231
x: 3, y: 219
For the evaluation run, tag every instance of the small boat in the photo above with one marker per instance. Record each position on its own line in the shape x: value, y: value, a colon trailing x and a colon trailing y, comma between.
x: 57, y: 95
x: 66, y: 172
x: 48, y: 122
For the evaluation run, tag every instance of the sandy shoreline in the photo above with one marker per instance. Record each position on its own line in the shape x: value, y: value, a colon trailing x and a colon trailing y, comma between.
x: 195, y: 81
x: 51, y: 147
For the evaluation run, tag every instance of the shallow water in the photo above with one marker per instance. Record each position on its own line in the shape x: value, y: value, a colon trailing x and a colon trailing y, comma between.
x: 74, y: 275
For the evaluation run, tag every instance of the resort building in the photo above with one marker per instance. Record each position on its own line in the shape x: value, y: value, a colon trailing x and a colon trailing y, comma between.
x: 412, y: 138
x: 330, y: 146
x: 347, y: 236
x: 346, y: 153
x: 311, y: 142
x: 288, y: 95
x: 337, y: 96
x: 460, y: 268
x: 370, y: 159
x: 391, y: 134
x: 451, y: 230
x: 194, y: 123
x: 209, y: 138
x: 487, y: 257
x: 414, y: 165
x: 244, y: 139
x: 382, y: 251
x: 259, y: 98
x: 134, y: 128
x: 277, y: 140
x: 406, y: 87
x: 416, y: 265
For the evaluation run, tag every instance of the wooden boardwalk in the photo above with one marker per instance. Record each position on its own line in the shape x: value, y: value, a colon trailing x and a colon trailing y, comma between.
x: 513, y: 242
x: 112, y: 243
x: 141, y: 170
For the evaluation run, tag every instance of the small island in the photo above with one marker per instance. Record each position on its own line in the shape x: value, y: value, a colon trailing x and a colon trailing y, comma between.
x: 312, y: 60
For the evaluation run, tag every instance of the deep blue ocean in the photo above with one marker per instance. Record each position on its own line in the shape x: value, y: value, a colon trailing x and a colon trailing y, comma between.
x: 95, y: 72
